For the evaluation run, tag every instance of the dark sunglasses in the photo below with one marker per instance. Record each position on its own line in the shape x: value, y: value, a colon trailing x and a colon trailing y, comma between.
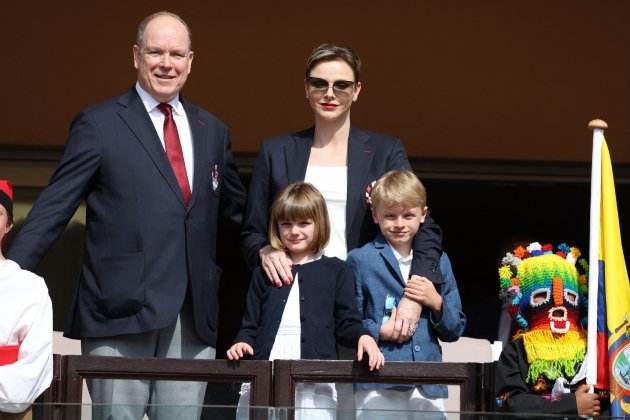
x: 322, y: 86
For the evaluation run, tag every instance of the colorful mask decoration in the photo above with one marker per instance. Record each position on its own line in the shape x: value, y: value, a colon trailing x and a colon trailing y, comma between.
x: 546, y: 292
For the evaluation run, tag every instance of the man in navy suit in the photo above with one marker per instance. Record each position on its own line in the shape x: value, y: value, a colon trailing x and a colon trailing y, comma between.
x: 158, y: 176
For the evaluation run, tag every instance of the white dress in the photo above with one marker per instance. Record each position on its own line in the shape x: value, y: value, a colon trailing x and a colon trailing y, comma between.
x: 311, y: 400
x: 26, y: 322
x: 332, y: 182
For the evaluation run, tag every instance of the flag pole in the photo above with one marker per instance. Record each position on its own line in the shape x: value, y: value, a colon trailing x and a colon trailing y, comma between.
x: 598, y: 126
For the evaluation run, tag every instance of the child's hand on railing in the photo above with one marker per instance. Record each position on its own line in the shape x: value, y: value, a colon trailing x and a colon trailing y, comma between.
x: 238, y: 350
x: 369, y: 346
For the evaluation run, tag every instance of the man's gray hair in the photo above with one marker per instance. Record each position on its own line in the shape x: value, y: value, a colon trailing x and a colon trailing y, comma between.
x: 143, y: 26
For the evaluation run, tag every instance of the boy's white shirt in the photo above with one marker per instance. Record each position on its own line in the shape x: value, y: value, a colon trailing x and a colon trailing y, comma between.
x: 404, y: 263
x: 26, y: 321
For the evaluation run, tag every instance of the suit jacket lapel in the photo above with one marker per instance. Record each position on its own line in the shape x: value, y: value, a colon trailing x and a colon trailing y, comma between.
x: 387, y: 254
x: 199, y: 133
x: 296, y: 154
x: 136, y: 117
x: 359, y: 161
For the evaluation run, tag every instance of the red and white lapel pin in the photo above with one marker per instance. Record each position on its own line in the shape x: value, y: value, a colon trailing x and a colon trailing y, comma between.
x: 215, y: 176
x: 368, y: 192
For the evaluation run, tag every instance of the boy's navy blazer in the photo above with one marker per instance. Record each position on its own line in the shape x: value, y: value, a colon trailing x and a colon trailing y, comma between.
x: 377, y: 274
x: 283, y: 160
x: 144, y: 249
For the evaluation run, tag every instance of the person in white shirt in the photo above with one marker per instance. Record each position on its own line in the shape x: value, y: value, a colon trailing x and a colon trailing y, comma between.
x: 26, y: 359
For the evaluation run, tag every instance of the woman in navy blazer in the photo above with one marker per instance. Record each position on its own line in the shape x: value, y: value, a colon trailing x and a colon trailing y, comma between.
x: 331, y: 86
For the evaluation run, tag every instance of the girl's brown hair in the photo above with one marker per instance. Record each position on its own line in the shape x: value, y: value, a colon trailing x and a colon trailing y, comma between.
x: 300, y: 201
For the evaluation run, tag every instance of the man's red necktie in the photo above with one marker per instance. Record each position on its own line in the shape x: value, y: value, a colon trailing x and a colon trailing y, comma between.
x: 174, y: 151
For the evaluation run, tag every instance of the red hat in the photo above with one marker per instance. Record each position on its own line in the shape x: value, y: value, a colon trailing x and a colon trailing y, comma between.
x: 6, y: 196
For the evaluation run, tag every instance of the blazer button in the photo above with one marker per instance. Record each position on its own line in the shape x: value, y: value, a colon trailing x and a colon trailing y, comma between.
x: 302, y: 299
x: 284, y: 301
x: 416, y: 348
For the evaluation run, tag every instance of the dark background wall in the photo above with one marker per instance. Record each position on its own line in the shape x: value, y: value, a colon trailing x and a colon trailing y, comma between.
x: 485, y: 79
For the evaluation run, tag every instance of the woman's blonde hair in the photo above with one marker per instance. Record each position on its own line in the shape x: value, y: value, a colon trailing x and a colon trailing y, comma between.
x: 332, y: 52
x: 399, y: 187
x: 300, y: 201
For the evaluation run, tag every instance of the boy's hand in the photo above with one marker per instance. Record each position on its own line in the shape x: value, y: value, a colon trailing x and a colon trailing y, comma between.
x: 587, y: 404
x: 277, y: 265
x: 407, y: 320
x: 387, y: 329
x: 422, y: 290
x: 369, y: 346
x: 238, y: 350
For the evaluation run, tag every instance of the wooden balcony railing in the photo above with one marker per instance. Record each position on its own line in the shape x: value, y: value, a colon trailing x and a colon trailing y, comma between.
x: 272, y: 384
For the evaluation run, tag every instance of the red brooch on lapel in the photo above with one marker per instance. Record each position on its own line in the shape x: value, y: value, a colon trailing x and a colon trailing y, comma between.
x: 368, y: 192
x: 215, y: 176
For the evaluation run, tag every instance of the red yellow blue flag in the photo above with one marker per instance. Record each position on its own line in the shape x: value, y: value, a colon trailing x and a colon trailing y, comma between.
x: 608, y: 364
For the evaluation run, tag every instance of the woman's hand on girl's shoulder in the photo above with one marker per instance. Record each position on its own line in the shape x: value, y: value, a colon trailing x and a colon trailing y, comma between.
x: 367, y: 345
x: 277, y: 265
x: 239, y: 350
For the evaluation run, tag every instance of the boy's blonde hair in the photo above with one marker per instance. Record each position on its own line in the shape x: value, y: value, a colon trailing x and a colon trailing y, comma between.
x: 300, y: 201
x: 399, y: 187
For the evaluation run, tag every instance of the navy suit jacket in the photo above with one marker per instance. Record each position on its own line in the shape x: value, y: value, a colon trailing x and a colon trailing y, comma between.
x: 377, y: 274
x: 144, y: 249
x: 283, y: 160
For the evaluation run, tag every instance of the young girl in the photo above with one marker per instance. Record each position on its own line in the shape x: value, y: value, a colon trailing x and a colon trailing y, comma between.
x: 304, y: 319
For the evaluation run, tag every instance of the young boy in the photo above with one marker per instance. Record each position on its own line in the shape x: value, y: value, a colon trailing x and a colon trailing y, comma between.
x: 25, y: 327
x: 381, y: 270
